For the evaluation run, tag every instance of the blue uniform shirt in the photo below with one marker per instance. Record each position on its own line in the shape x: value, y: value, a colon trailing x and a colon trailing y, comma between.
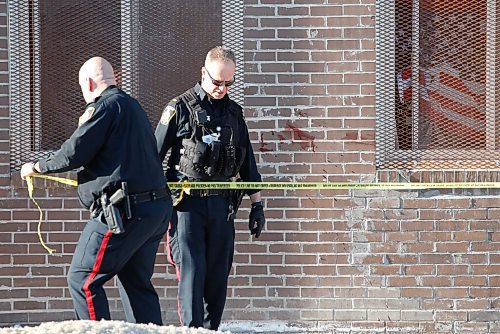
x: 115, y: 143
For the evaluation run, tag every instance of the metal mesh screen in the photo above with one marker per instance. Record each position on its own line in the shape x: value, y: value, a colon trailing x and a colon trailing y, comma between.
x: 156, y: 47
x: 436, y: 94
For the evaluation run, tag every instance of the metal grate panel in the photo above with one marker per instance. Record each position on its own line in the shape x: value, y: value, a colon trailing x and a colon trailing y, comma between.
x: 156, y: 47
x: 436, y: 94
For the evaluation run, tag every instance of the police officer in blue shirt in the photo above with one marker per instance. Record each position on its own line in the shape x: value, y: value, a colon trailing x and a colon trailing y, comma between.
x: 121, y: 181
x: 208, y: 138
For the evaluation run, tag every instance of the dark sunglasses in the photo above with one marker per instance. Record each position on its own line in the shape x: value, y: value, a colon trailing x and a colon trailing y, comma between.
x: 219, y: 83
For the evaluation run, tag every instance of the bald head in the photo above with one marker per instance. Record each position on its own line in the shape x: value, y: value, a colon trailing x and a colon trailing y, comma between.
x: 96, y: 74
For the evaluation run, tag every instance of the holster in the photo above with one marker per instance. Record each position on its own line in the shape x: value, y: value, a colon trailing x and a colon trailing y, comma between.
x: 112, y: 215
x: 235, y: 198
x: 111, y: 211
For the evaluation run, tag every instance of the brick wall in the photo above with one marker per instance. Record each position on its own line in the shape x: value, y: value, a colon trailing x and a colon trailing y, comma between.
x: 375, y: 260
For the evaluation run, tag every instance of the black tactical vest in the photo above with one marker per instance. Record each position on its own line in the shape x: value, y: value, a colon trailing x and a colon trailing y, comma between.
x: 212, y: 151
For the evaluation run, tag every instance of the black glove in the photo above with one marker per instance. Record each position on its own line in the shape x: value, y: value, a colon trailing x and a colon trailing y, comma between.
x: 256, y: 220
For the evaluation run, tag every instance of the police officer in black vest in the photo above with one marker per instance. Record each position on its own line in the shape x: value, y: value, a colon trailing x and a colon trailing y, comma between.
x: 121, y: 181
x: 209, y: 141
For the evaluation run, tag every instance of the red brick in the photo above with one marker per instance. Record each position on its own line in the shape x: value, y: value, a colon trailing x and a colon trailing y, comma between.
x: 333, y: 259
x: 284, y: 292
x: 8, y: 203
x: 419, y: 270
x: 419, y: 203
x: 292, y: 33
x: 28, y: 259
x: 470, y: 236
x: 472, y: 304
x: 451, y: 316
x: 436, y: 214
x: 435, y: 236
x: 359, y: 33
x: 418, y: 247
x: 360, y: 56
x: 275, y: 22
x: 258, y: 11
x: 293, y: 11
x: 417, y: 225
x: 486, y: 292
x: 451, y: 292
x: 471, y: 214
x: 492, y: 269
x: 452, y: 247
x: 454, y: 203
x: 436, y: 281
x: 436, y: 258
x: 470, y: 281
x: 285, y: 270
x: 308, y: 22
x: 451, y: 225
x: 484, y: 247
x: 13, y: 293
x: 319, y: 46
x: 250, y: 292
x: 5, y: 307
x: 437, y: 304
x: 386, y: 270
x: 416, y: 292
x: 326, y: 11
x: 401, y: 281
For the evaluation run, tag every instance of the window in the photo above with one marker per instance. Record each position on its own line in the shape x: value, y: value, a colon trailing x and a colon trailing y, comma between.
x: 156, y: 47
x: 436, y: 92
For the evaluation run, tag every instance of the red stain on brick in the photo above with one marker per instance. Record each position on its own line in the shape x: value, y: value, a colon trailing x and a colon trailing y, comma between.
x: 302, y: 136
x: 263, y: 145
x: 281, y: 137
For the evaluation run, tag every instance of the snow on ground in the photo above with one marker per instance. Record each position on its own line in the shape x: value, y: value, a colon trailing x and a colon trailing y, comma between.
x: 121, y: 327
x: 229, y: 327
x: 102, y: 327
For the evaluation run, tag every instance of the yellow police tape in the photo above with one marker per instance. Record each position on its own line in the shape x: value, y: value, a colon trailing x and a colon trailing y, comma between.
x: 279, y: 185
x: 31, y: 187
x: 337, y: 185
x: 310, y: 185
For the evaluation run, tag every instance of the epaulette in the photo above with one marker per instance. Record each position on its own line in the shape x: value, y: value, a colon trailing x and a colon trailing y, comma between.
x: 168, y: 112
x: 89, y: 112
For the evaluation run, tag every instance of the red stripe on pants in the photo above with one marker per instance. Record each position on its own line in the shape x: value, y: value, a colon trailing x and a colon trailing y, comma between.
x: 93, y: 274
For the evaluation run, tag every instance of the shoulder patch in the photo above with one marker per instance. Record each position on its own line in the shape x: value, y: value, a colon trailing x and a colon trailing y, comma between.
x: 167, y: 114
x: 89, y: 112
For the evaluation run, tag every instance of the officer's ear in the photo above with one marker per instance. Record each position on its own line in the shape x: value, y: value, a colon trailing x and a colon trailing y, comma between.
x: 90, y: 84
x: 202, y: 73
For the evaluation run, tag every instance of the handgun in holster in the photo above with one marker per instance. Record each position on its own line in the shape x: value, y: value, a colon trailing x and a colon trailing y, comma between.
x: 235, y: 198
x: 111, y: 210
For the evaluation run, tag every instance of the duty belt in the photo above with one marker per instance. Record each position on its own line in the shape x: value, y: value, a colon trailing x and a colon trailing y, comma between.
x: 208, y: 192
x: 148, y: 196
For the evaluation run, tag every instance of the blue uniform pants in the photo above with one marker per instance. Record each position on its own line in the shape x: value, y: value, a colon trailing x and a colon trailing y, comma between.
x: 100, y: 255
x: 201, y: 242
